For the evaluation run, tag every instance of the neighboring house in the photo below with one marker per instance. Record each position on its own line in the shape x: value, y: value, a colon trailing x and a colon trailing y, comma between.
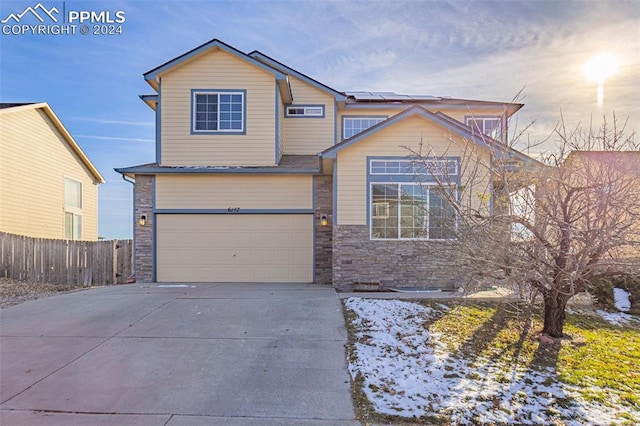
x: 48, y: 186
x: 617, y: 174
x: 263, y: 174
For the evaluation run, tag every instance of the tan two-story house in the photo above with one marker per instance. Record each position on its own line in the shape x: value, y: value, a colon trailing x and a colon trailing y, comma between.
x: 263, y: 174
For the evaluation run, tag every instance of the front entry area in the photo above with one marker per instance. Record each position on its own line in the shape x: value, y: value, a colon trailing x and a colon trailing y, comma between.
x: 234, y: 248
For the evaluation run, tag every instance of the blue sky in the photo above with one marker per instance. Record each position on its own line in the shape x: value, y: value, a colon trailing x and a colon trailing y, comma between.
x: 486, y: 50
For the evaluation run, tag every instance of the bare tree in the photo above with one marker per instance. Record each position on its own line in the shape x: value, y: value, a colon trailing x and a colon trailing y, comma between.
x: 550, y: 226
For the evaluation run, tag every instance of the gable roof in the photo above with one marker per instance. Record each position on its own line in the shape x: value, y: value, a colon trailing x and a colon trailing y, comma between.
x: 151, y: 76
x: 339, y: 96
x: 440, y: 119
x: 60, y: 127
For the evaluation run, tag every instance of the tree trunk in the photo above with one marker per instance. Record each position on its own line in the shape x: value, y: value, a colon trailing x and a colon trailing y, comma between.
x: 554, y: 306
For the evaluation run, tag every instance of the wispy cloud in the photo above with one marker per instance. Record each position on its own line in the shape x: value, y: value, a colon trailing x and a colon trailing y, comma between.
x: 115, y: 138
x: 119, y: 122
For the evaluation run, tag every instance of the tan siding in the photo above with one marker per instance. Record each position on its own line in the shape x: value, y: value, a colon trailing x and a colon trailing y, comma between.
x: 224, y: 191
x: 352, y: 161
x: 461, y: 113
x: 218, y: 70
x: 34, y: 160
x: 309, y: 135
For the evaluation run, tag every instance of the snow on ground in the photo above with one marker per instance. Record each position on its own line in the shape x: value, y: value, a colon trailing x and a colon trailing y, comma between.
x: 408, y: 372
x: 621, y: 298
x: 617, y: 318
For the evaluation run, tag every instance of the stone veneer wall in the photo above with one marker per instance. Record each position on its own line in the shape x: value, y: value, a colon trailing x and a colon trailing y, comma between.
x: 143, y: 256
x: 357, y: 259
x: 323, y: 202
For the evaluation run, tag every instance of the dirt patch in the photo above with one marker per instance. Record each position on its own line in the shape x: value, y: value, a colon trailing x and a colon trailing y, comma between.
x: 13, y: 292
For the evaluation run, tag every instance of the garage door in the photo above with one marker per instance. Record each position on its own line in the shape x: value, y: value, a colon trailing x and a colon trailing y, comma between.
x: 234, y: 248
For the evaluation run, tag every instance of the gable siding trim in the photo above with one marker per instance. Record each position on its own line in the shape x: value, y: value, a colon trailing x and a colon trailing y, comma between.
x: 159, y: 124
x: 275, y: 64
x: 410, y: 112
x: 335, y: 122
x: 153, y: 74
x: 277, y: 112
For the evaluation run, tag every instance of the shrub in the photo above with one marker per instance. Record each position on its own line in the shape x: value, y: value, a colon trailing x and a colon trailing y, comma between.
x: 602, y: 291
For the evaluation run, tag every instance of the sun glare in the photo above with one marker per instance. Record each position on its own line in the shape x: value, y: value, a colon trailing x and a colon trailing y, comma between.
x: 599, y: 68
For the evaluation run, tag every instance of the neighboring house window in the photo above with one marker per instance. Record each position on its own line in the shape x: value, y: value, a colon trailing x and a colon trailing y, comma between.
x: 218, y: 111
x: 72, y: 209
x: 316, y: 111
x: 491, y: 126
x: 353, y: 125
x: 410, y: 211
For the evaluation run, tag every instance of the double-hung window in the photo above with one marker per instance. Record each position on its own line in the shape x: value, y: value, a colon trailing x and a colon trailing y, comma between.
x: 72, y: 209
x: 351, y: 126
x: 217, y: 111
x: 406, y: 202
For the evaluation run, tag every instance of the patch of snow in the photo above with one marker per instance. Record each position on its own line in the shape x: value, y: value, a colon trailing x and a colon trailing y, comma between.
x: 407, y: 371
x: 621, y: 298
x: 617, y: 318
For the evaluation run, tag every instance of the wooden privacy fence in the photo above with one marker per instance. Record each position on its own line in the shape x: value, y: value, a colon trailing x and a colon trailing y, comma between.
x: 73, y: 263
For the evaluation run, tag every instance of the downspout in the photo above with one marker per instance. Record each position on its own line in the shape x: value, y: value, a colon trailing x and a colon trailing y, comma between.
x: 133, y: 182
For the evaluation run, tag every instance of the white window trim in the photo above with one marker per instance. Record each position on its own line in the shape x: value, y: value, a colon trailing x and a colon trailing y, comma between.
x: 217, y: 92
x: 399, y: 184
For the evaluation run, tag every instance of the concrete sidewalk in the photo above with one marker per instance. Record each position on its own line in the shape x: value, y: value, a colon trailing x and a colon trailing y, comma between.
x: 229, y: 354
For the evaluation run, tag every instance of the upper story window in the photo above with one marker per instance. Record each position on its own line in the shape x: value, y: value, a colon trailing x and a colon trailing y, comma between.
x: 315, y: 111
x: 490, y: 126
x: 218, y: 112
x: 72, y: 209
x: 353, y: 125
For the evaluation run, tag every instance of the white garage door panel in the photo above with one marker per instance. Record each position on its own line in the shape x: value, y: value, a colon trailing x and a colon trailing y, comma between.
x: 235, y: 248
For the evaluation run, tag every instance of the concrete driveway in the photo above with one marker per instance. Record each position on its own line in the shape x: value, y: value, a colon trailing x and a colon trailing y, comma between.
x: 204, y: 354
